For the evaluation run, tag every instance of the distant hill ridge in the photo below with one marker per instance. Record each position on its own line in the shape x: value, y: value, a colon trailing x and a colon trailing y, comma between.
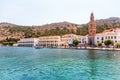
x: 110, y: 20
x: 5, y: 24
x: 65, y: 23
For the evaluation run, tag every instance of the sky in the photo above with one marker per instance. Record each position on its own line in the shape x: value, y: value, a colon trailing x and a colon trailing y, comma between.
x: 40, y: 12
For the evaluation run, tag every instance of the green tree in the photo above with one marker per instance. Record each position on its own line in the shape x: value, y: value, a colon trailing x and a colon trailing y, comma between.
x: 118, y: 45
x: 9, y: 41
x: 75, y: 42
x: 99, y: 44
x: 108, y: 42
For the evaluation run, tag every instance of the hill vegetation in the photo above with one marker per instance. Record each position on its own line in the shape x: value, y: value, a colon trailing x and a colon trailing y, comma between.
x: 8, y: 30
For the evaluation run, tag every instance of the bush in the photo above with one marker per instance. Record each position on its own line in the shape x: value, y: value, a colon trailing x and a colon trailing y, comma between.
x: 75, y: 42
x: 118, y: 45
x: 99, y: 44
x: 9, y: 41
x: 108, y: 42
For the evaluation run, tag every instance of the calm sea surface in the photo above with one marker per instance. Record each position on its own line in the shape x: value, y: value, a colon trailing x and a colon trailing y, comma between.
x: 21, y: 63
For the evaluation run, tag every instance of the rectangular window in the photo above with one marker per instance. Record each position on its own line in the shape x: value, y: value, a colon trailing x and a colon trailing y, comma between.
x: 106, y: 37
x: 114, y: 37
x: 102, y: 38
x: 111, y: 37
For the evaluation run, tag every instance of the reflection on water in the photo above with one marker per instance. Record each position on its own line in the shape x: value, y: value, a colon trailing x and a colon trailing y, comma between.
x: 106, y: 62
x: 58, y: 64
x: 92, y: 63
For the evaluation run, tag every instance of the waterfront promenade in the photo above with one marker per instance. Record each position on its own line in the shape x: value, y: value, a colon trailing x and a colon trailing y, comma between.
x: 96, y: 48
x: 85, y: 48
x: 93, y: 48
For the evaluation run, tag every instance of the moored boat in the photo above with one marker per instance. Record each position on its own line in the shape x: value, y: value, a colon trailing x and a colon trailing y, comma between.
x: 38, y: 47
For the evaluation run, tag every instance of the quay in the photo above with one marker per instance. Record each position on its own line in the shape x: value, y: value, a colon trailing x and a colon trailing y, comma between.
x: 93, y: 48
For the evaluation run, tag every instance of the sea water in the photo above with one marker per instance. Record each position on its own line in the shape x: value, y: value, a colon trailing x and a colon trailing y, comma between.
x: 27, y: 63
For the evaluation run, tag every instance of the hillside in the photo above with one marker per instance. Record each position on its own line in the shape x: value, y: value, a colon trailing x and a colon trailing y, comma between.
x: 109, y: 23
x: 60, y: 25
x: 60, y: 28
x: 56, y: 28
x: 16, y: 31
x: 6, y: 33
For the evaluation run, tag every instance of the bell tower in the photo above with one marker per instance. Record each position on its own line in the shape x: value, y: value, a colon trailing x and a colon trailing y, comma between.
x: 91, y: 30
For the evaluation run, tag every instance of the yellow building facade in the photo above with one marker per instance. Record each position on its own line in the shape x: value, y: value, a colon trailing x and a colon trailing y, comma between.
x: 49, y: 41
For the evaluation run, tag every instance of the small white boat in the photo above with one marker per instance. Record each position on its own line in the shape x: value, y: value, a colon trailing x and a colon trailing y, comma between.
x: 38, y: 47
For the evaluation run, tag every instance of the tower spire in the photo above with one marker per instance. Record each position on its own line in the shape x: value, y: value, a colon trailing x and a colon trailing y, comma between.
x: 92, y: 17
